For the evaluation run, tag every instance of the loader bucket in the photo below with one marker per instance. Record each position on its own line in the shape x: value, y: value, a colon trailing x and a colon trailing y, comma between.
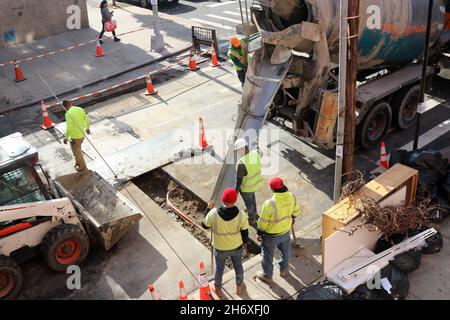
x: 105, y: 212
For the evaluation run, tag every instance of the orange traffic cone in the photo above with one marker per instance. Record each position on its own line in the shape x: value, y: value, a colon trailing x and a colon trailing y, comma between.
x: 48, y: 123
x: 19, y: 74
x: 205, y: 290
x: 383, y: 159
x: 214, y: 61
x: 98, y: 48
x: 193, y: 64
x: 154, y: 295
x: 183, y: 295
x: 202, y: 138
x: 150, y: 89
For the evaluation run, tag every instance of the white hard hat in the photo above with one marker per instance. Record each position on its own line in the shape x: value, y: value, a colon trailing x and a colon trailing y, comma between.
x: 239, y: 144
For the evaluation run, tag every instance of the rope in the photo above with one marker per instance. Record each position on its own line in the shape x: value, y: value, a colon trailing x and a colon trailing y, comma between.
x: 129, y: 193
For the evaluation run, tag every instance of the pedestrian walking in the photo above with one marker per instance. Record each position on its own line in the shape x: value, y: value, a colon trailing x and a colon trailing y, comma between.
x: 248, y: 177
x: 229, y: 237
x: 77, y: 123
x: 106, y: 17
x: 238, y: 53
x: 274, y: 226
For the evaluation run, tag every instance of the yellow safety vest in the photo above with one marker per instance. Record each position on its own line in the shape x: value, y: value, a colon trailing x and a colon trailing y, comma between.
x: 226, y: 234
x: 277, y: 213
x: 253, y: 181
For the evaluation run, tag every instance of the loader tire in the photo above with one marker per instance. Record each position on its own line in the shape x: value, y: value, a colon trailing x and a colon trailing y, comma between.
x: 63, y: 246
x: 11, y: 278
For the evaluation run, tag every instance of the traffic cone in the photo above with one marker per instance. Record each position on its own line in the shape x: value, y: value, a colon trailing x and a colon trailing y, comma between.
x: 98, y: 49
x: 19, y: 74
x: 154, y: 295
x: 193, y: 64
x: 205, y: 290
x: 48, y: 123
x: 214, y: 61
x: 183, y: 295
x: 202, y: 138
x: 383, y: 159
x: 150, y: 89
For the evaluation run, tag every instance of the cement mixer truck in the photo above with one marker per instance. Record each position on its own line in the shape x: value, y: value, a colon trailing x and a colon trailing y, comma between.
x: 391, y: 41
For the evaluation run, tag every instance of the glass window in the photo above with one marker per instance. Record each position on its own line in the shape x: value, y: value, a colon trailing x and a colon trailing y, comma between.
x: 19, y: 186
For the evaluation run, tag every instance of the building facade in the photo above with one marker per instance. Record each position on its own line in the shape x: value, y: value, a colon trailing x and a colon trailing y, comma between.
x: 27, y: 20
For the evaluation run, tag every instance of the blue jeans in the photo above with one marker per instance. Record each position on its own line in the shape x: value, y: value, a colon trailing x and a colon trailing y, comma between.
x: 250, y: 203
x: 269, y: 243
x: 220, y: 259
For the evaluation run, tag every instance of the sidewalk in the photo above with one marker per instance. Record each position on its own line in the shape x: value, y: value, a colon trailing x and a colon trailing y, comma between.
x: 78, y: 68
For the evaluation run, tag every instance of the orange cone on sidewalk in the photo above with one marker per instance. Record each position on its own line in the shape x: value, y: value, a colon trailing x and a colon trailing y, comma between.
x: 183, y: 295
x: 383, y: 159
x: 153, y: 293
x: 18, y: 72
x: 48, y: 123
x: 98, y: 49
x: 214, y: 61
x: 202, y: 138
x: 193, y: 64
x: 150, y: 88
x: 205, y: 290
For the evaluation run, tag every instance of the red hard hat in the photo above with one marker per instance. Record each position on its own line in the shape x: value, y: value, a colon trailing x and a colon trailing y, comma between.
x: 229, y: 196
x: 276, y: 183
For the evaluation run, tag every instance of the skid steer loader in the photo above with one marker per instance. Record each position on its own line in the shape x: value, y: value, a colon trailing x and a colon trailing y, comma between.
x: 58, y: 219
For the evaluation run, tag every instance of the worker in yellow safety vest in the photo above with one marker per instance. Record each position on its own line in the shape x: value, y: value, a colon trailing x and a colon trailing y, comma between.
x: 77, y: 123
x: 274, y: 225
x: 248, y: 177
x: 229, y: 237
x: 238, y: 53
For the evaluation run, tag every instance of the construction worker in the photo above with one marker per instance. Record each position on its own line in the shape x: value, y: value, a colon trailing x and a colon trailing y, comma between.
x: 248, y: 177
x: 237, y: 52
x: 229, y: 237
x: 274, y: 225
x: 77, y: 124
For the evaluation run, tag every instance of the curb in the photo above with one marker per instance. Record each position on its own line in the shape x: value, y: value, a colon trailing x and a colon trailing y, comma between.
x: 72, y: 91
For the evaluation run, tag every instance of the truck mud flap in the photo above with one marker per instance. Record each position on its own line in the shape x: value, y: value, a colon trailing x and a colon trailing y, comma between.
x: 105, y: 212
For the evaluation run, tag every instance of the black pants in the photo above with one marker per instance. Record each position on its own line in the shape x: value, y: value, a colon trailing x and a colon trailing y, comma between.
x: 241, y: 75
x: 103, y: 31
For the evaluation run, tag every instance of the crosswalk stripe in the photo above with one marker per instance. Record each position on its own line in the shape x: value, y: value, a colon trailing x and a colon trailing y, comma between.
x: 224, y: 18
x: 429, y: 136
x: 219, y: 4
x: 217, y: 25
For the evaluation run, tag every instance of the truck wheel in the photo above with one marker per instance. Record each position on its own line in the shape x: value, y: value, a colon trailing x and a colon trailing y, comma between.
x: 375, y: 126
x: 11, y: 279
x: 63, y: 246
x: 404, y: 106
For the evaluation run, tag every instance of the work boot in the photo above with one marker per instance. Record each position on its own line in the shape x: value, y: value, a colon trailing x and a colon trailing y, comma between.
x: 219, y: 293
x: 284, y: 273
x: 240, y: 289
x: 261, y: 276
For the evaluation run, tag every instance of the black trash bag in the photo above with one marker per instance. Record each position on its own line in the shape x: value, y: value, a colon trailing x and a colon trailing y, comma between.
x: 408, y: 261
x: 434, y: 244
x: 439, y: 214
x: 324, y: 290
x: 398, y: 156
x: 429, y: 160
x: 364, y: 293
x: 399, y: 281
x: 383, y: 244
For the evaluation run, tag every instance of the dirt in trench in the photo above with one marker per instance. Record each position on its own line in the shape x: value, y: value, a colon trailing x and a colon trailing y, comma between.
x: 157, y: 183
